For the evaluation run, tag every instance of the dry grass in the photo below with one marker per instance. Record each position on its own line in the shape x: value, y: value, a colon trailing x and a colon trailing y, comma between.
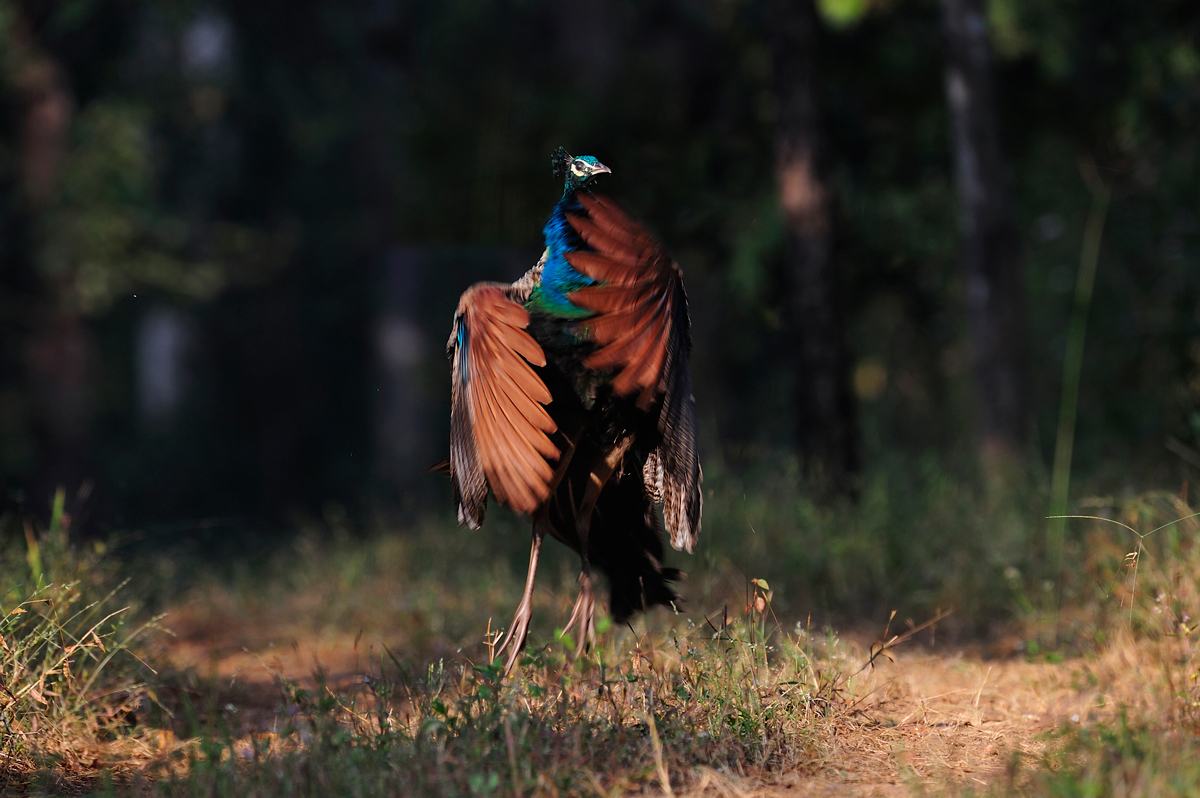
x: 925, y: 719
x: 70, y: 679
x: 361, y: 668
x: 642, y: 710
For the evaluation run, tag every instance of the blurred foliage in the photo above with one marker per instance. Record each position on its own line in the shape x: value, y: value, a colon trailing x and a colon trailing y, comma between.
x: 104, y: 238
x: 842, y: 13
x: 253, y: 165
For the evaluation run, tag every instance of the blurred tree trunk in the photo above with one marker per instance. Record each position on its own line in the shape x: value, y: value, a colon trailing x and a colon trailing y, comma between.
x: 991, y: 248
x: 825, y: 411
x: 404, y: 443
x: 59, y: 349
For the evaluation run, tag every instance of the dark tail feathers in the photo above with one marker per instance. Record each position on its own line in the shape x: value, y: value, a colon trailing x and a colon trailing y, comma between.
x: 626, y: 543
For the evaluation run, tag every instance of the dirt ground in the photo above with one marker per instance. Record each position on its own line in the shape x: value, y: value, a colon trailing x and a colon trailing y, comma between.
x: 928, y: 719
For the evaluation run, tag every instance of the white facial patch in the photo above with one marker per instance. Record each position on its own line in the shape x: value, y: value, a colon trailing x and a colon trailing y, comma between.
x: 575, y: 170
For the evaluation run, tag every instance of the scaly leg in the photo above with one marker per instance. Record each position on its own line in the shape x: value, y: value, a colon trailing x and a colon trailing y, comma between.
x: 514, y: 640
x: 518, y: 630
x: 584, y: 612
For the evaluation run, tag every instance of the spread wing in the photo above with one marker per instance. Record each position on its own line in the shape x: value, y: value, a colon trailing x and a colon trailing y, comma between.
x: 642, y: 335
x: 499, y: 429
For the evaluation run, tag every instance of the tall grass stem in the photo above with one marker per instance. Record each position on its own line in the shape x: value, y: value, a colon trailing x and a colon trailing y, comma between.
x: 1085, y: 281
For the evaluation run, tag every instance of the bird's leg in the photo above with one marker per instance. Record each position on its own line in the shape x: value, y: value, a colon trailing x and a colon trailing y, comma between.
x: 584, y: 611
x: 514, y: 639
x: 583, y: 614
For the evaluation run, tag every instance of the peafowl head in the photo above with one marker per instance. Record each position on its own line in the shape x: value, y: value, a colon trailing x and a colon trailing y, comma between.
x: 576, y: 172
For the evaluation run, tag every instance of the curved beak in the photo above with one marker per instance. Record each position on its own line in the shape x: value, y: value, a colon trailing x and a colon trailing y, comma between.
x: 601, y: 169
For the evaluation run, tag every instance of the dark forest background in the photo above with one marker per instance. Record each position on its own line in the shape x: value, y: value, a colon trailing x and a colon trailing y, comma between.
x: 232, y: 236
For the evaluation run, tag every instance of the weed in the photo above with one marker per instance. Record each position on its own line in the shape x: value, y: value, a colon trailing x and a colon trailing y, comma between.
x: 70, y: 682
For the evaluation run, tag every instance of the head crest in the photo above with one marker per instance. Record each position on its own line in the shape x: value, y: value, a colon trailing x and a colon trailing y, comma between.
x: 560, y: 161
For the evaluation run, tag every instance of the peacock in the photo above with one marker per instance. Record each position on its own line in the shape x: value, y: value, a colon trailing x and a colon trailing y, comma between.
x: 572, y: 401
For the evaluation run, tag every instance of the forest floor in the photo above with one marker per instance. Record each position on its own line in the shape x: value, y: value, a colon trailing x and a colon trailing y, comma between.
x: 362, y: 667
x: 920, y: 719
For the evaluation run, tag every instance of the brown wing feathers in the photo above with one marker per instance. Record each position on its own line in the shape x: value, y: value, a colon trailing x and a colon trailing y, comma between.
x: 639, y: 287
x: 499, y: 425
x: 641, y: 329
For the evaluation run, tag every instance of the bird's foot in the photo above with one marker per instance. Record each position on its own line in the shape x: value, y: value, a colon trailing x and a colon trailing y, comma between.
x: 514, y: 639
x: 583, y: 616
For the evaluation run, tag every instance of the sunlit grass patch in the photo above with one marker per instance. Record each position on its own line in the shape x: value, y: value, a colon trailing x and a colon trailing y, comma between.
x: 350, y: 663
x: 650, y: 710
x: 1133, y: 568
x: 1119, y: 759
x: 71, y: 684
x: 1135, y: 595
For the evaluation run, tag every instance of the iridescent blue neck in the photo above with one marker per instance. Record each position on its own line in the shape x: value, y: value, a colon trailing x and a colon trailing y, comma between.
x: 558, y: 278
